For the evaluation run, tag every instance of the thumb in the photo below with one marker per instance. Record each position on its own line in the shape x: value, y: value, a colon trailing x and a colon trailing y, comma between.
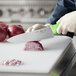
x: 59, y: 29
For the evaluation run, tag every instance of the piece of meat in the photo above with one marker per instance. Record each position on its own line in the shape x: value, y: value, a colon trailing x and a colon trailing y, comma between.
x: 33, y: 45
x: 15, y: 30
x: 13, y: 62
x: 3, y: 34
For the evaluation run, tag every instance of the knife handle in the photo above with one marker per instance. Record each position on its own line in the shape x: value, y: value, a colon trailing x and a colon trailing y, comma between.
x: 70, y: 34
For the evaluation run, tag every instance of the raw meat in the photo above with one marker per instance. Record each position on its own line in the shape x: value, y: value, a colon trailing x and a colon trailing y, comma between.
x: 15, y: 30
x: 33, y: 45
x: 12, y: 62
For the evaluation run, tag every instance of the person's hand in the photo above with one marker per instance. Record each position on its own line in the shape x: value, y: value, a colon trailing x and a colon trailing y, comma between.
x: 67, y: 23
x: 36, y: 27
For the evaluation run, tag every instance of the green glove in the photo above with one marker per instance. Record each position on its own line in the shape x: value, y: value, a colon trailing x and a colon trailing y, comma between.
x: 54, y: 28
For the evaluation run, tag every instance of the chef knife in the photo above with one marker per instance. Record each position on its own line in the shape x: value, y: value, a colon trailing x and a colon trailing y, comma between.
x: 36, y: 35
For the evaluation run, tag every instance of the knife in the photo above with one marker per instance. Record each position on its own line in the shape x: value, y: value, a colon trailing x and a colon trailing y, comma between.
x: 36, y: 35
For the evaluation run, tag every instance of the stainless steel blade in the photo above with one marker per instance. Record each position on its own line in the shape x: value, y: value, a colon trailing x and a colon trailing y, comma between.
x: 32, y: 36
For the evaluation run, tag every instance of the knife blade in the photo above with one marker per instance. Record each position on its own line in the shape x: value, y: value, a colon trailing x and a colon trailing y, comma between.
x: 36, y: 35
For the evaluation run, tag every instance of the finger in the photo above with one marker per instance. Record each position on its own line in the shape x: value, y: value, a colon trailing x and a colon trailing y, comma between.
x: 59, y: 29
x: 38, y: 26
x: 47, y: 25
x: 64, y: 30
x: 29, y: 29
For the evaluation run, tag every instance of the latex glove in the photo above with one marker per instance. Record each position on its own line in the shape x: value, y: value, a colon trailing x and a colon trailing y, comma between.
x: 38, y: 26
x: 47, y: 25
x: 29, y: 30
x: 67, y: 23
x: 35, y: 27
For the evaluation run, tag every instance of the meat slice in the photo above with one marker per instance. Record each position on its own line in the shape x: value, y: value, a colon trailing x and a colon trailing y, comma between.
x: 33, y: 45
x: 12, y: 62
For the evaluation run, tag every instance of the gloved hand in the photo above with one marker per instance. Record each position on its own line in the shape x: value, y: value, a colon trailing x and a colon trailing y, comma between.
x: 67, y: 23
x: 36, y: 27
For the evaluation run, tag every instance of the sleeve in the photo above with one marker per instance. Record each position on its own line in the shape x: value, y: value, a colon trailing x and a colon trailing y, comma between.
x: 58, y: 12
x: 70, y: 5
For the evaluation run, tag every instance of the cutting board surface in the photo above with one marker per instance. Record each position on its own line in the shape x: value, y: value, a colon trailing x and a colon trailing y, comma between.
x: 34, y: 61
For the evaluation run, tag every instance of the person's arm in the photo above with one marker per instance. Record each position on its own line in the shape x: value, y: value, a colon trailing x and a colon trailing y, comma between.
x: 62, y: 7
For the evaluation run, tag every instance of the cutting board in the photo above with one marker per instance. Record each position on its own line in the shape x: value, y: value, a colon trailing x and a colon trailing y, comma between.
x: 34, y: 61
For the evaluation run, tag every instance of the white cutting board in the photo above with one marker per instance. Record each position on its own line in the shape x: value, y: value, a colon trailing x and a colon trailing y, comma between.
x: 34, y: 61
